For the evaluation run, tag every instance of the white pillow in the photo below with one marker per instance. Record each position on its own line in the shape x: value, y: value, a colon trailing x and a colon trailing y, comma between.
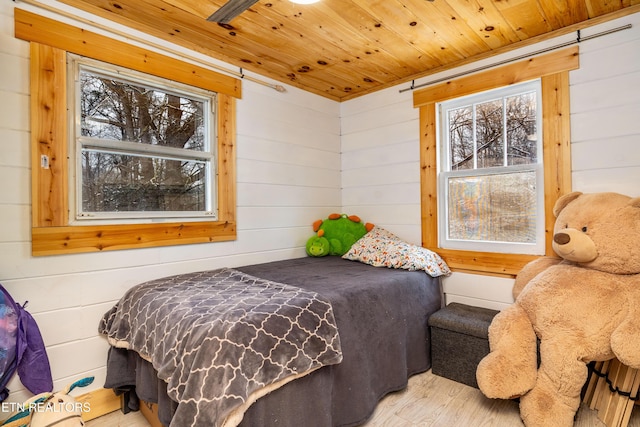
x: 381, y: 248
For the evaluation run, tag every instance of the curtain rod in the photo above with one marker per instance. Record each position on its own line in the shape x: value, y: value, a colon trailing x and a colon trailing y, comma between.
x: 578, y: 39
x: 238, y: 74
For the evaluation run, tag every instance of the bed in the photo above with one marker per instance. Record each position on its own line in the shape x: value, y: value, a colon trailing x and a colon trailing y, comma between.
x: 381, y: 315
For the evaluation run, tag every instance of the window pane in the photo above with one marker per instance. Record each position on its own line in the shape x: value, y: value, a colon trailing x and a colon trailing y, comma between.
x: 125, y: 111
x: 522, y: 132
x: 129, y: 183
x: 494, y: 208
x: 461, y: 137
x: 489, y: 125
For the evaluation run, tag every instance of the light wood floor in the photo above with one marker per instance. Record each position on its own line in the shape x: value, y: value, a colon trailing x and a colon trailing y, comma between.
x: 428, y: 401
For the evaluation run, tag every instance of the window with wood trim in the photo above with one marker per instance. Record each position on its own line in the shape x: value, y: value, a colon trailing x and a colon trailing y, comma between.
x: 52, y: 230
x: 553, y: 71
x: 141, y: 148
x: 491, y: 172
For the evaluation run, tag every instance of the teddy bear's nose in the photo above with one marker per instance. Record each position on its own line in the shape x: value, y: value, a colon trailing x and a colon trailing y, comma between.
x: 561, y: 238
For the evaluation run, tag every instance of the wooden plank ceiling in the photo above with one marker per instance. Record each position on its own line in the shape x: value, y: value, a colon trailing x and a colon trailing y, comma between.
x: 342, y: 49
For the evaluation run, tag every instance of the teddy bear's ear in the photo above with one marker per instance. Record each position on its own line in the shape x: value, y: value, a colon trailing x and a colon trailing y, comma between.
x: 635, y: 202
x: 563, y: 201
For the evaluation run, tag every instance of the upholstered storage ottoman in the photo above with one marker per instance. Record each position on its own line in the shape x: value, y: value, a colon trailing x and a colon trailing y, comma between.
x: 459, y: 340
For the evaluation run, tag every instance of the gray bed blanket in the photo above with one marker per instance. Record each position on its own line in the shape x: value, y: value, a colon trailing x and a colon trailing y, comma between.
x: 223, y: 338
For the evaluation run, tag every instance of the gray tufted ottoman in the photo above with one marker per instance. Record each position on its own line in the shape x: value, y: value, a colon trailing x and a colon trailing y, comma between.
x: 459, y: 340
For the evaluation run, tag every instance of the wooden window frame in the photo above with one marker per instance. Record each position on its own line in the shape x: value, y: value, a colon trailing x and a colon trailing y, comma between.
x: 553, y: 70
x: 52, y: 234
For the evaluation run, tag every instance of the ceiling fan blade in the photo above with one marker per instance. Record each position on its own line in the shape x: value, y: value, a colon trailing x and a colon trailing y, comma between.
x: 230, y: 10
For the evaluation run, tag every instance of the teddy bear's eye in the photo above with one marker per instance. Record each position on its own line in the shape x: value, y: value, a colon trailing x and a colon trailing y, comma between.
x: 584, y: 229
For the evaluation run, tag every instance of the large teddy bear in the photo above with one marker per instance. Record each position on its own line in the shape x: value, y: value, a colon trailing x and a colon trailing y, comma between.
x: 584, y: 306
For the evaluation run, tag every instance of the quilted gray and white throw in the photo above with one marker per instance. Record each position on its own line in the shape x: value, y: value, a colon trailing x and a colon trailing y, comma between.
x: 223, y: 338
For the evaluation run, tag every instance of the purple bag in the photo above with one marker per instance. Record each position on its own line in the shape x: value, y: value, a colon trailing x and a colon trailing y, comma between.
x: 21, y: 348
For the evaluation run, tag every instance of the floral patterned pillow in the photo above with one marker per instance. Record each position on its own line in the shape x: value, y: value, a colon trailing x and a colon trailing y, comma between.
x: 381, y: 248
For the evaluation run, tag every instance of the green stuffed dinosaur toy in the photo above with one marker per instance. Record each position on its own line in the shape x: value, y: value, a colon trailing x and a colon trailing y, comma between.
x: 336, y: 234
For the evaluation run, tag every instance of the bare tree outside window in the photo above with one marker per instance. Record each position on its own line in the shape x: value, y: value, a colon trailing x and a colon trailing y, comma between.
x: 142, y: 148
x: 514, y: 116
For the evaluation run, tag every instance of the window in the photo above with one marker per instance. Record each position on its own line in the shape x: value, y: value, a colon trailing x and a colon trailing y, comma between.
x: 490, y: 171
x: 53, y: 232
x: 143, y: 147
x: 552, y: 70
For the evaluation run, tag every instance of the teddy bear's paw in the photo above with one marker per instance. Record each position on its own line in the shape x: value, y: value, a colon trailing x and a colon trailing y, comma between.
x: 625, y: 345
x: 628, y: 359
x: 540, y: 408
x: 499, y: 378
